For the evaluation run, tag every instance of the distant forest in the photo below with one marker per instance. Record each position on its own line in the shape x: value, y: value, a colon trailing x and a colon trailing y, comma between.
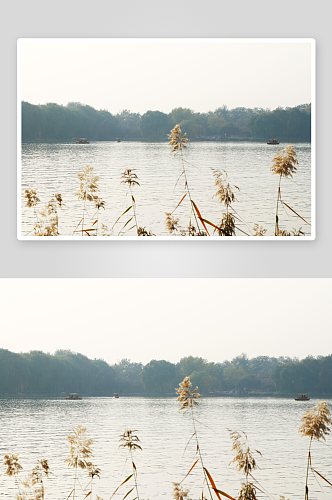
x: 39, y: 373
x: 53, y: 122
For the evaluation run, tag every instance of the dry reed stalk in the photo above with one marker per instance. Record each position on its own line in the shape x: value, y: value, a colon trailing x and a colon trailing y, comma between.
x: 316, y: 425
x: 284, y: 165
x: 179, y: 143
x: 188, y: 399
x: 130, y: 178
x: 130, y: 441
x: 226, y: 196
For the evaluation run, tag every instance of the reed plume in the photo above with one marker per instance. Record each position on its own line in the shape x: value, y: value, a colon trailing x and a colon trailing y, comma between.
x: 13, y: 467
x: 245, y: 462
x: 226, y: 196
x: 80, y: 451
x: 316, y: 425
x: 88, y: 187
x: 33, y: 484
x: 180, y: 493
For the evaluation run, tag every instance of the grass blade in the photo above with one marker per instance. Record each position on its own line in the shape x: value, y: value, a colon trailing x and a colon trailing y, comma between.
x: 117, y: 220
x: 183, y: 197
x: 70, y: 493
x: 128, y: 493
x: 189, y: 471
x: 199, y: 216
x: 125, y: 225
x: 321, y: 476
x: 87, y: 494
x: 123, y: 482
x: 295, y: 212
x: 215, y: 489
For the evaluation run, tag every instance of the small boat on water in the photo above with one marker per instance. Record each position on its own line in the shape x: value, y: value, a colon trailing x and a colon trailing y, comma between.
x: 302, y: 397
x: 273, y: 141
x: 118, y: 139
x: 82, y: 141
x: 73, y: 396
x: 116, y: 395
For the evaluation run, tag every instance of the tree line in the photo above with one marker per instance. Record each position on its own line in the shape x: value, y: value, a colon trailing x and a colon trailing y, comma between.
x: 41, y: 373
x: 56, y: 122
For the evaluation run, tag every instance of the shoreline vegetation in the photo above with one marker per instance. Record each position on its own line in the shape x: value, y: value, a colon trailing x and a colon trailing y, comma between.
x: 46, y: 218
x: 55, y: 122
x: 39, y: 374
x: 316, y: 424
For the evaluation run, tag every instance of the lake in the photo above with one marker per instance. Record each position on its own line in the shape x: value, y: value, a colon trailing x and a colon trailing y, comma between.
x: 37, y: 429
x: 53, y: 167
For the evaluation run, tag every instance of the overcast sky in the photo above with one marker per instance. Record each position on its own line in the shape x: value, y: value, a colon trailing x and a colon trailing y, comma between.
x: 144, y: 319
x: 142, y: 75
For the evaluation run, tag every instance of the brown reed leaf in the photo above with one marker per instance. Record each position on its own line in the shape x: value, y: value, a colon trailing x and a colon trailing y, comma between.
x: 199, y: 216
x: 215, y: 489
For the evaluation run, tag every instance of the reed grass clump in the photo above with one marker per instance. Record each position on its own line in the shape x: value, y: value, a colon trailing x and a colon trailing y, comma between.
x: 130, y: 441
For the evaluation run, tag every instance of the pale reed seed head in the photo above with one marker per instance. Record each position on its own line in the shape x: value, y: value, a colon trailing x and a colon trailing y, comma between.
x: 316, y: 422
x: 247, y: 492
x: 80, y: 448
x: 172, y: 223
x: 93, y: 471
x: 129, y: 177
x: 12, y: 464
x: 58, y: 198
x: 259, y: 230
x: 186, y: 396
x: 88, y: 184
x: 284, y: 162
x: 179, y: 493
x: 225, y: 192
x: 99, y: 203
x: 130, y: 440
x: 32, y: 198
x: 176, y: 140
x: 227, y: 225
x: 244, y: 459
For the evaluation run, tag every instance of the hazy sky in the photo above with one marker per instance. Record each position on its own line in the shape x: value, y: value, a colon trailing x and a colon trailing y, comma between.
x: 144, y: 319
x: 142, y: 75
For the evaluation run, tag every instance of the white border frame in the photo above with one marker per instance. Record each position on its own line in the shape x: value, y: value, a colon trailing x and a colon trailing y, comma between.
x: 312, y: 41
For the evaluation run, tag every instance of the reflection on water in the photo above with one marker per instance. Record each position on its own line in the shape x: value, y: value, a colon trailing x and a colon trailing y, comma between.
x: 53, y: 168
x: 37, y: 429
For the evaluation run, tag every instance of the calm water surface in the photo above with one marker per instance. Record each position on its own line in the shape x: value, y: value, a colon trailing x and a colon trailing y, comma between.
x: 37, y: 428
x: 53, y: 168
